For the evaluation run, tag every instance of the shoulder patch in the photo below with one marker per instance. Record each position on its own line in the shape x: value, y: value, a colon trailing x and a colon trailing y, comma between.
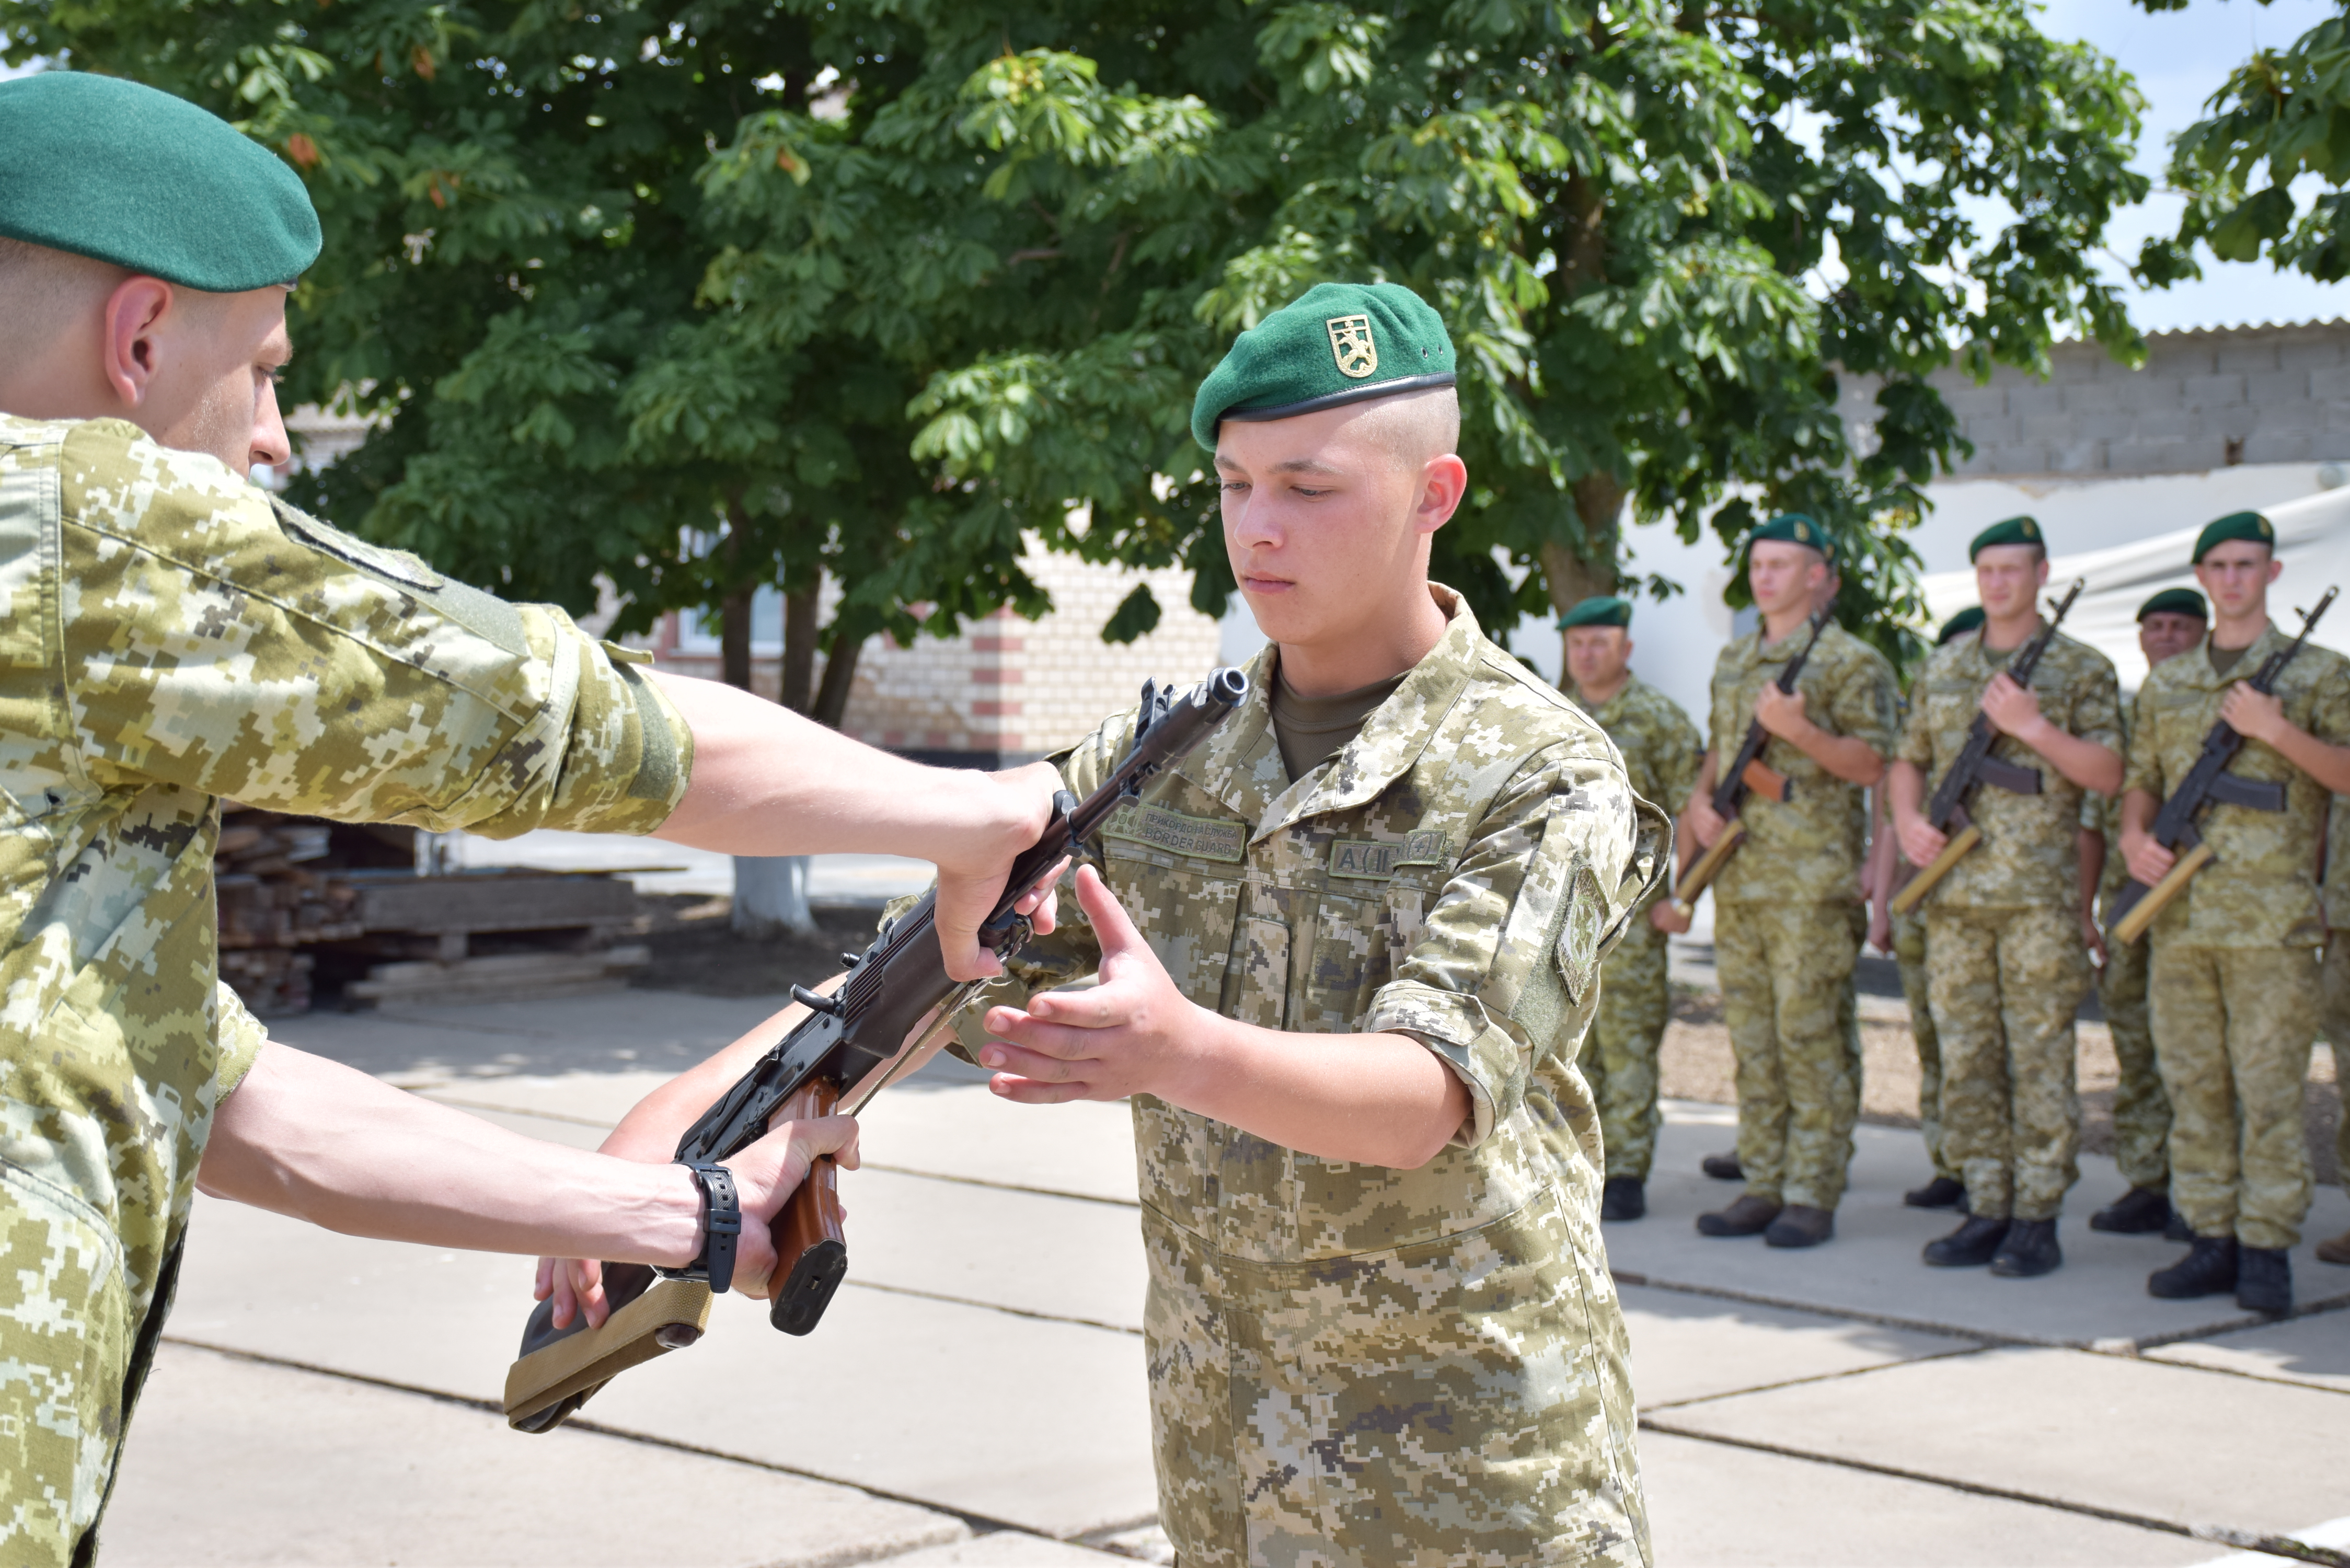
x: 1372, y: 858
x: 1201, y: 837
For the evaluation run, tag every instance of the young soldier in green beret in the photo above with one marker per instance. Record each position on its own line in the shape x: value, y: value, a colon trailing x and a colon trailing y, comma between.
x: 2234, y: 973
x: 1347, y: 952
x: 2006, y: 960
x: 1903, y: 934
x: 1788, y: 919
x: 2170, y: 623
x: 1660, y: 749
x: 173, y: 635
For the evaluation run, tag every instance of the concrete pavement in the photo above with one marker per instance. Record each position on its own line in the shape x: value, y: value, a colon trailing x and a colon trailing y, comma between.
x: 975, y: 1395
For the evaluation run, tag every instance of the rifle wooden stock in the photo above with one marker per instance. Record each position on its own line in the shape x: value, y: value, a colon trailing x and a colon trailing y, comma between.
x: 2132, y: 926
x: 811, y: 1249
x: 1923, y: 883
x: 1767, y: 782
x: 1706, y: 867
x: 550, y: 1382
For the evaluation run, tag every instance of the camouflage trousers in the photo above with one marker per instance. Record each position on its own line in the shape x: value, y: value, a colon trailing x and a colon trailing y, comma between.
x: 2005, y: 984
x: 1619, y: 1054
x: 1787, y: 974
x: 2233, y: 1028
x: 1466, y: 1400
x: 2334, y: 987
x: 2141, y: 1110
x: 1909, y: 952
x: 65, y: 1356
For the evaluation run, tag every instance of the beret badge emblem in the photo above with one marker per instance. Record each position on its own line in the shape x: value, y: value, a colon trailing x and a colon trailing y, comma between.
x: 1351, y: 346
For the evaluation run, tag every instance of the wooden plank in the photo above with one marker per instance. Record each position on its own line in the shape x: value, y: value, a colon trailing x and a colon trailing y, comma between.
x: 501, y: 903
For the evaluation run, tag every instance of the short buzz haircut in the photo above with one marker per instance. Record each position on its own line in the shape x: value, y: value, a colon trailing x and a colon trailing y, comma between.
x: 1413, y: 427
x: 44, y: 291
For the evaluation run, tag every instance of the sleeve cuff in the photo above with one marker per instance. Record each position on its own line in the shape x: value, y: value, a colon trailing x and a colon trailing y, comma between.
x: 241, y: 1036
x: 1462, y: 1034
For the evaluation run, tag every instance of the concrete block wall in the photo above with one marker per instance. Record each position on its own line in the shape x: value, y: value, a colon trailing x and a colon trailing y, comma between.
x: 2204, y: 400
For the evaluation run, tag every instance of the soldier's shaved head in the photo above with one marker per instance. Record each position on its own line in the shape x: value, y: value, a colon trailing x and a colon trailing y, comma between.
x: 1413, y: 427
x: 45, y: 292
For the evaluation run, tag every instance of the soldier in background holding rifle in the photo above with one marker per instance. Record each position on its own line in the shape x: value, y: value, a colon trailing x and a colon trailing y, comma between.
x: 2006, y: 960
x: 2239, y: 771
x: 1788, y: 920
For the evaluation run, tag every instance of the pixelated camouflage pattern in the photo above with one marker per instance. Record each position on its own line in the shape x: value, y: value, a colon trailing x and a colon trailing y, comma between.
x: 2005, y: 983
x: 2261, y: 890
x: 2030, y: 853
x: 2337, y: 863
x: 1661, y: 747
x: 2334, y: 1024
x: 1909, y: 955
x: 170, y: 635
x: 1807, y: 849
x: 2232, y: 1029
x: 1351, y: 1364
x: 1619, y: 1055
x: 1787, y: 974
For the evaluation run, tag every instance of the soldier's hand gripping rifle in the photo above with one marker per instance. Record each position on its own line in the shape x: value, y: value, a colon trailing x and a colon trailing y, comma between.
x: 2207, y: 783
x: 892, y: 1009
x: 1746, y: 774
x: 1975, y: 766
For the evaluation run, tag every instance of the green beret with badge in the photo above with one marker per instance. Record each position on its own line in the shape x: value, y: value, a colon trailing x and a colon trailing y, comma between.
x: 1958, y: 625
x: 1600, y: 609
x: 2249, y: 526
x: 1341, y: 343
x: 122, y: 173
x: 1794, y: 528
x: 2175, y: 601
x: 2014, y: 531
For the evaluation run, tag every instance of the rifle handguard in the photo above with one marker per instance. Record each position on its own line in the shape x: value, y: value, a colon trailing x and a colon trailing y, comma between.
x: 1705, y: 868
x: 811, y: 1248
x: 2141, y: 915
x: 1914, y: 894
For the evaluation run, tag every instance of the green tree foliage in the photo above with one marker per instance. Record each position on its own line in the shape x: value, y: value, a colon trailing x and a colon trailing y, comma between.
x: 698, y: 293
x: 2283, y: 114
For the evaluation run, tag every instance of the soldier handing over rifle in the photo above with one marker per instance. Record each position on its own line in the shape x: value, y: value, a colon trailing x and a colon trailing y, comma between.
x: 2014, y: 721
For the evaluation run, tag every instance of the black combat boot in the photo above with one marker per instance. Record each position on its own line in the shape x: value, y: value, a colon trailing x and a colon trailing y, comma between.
x: 1750, y: 1215
x: 1800, y: 1225
x: 2178, y: 1230
x: 1623, y: 1197
x: 2264, y: 1280
x: 2029, y: 1251
x: 1970, y: 1246
x: 1942, y: 1192
x: 2136, y: 1213
x: 1722, y: 1168
x: 2208, y: 1270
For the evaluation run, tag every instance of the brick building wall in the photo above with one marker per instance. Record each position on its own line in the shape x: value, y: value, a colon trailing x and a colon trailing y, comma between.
x: 2204, y: 400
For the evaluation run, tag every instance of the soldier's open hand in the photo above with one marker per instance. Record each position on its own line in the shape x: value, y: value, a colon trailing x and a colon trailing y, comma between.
x: 1125, y: 1036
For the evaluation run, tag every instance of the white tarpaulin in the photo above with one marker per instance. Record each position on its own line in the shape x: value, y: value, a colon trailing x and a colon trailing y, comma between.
x: 2312, y: 541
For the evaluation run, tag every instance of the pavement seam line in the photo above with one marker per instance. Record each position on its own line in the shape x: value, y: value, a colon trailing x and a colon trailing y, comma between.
x: 2244, y: 1541
x: 980, y: 1523
x: 1822, y: 1377
x: 991, y: 1306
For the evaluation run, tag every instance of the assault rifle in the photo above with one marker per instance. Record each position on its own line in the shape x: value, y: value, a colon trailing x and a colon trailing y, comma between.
x: 890, y: 1014
x: 1975, y: 766
x: 1745, y: 775
x: 2207, y: 783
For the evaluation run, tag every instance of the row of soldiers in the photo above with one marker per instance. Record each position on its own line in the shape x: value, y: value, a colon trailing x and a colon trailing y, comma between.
x: 2213, y: 1014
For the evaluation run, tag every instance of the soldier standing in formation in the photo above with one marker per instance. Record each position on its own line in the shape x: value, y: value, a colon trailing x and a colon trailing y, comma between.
x: 2334, y: 988
x: 2006, y: 961
x: 1787, y: 914
x: 1347, y: 951
x: 173, y: 635
x: 2234, y: 975
x: 2170, y: 623
x: 1904, y: 935
x: 1660, y: 749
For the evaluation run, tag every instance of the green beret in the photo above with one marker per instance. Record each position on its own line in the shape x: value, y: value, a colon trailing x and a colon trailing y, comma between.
x: 1342, y: 343
x: 1794, y: 528
x: 1958, y: 625
x: 2175, y: 601
x: 123, y: 173
x: 2014, y: 531
x: 1600, y: 609
x: 2249, y: 525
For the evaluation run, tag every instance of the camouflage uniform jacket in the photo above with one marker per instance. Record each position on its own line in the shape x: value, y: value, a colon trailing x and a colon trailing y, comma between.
x: 2337, y: 880
x: 1807, y: 849
x: 1661, y: 748
x: 170, y: 634
x: 2030, y: 854
x: 1457, y: 874
x: 2261, y: 891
